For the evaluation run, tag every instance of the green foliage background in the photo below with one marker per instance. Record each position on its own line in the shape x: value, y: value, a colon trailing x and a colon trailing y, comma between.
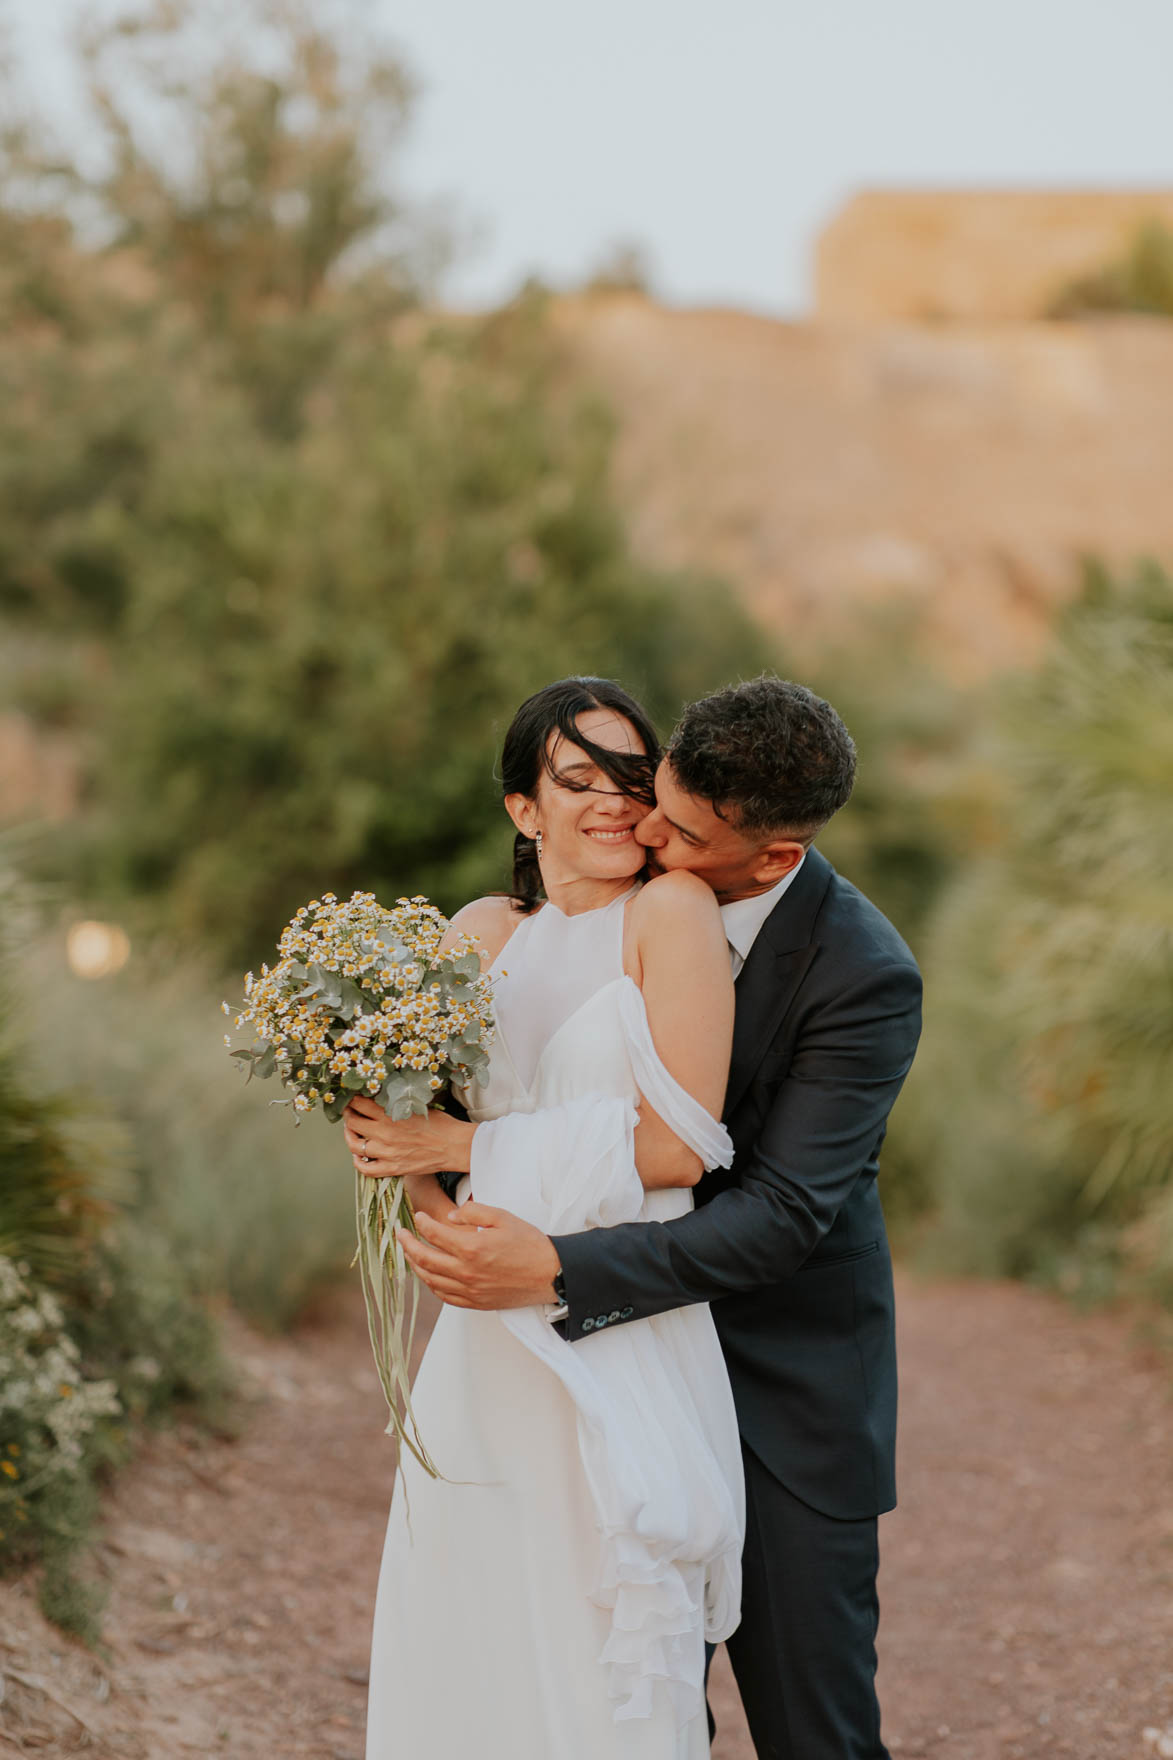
x: 1041, y: 1102
x: 284, y: 549
x: 71, y: 1219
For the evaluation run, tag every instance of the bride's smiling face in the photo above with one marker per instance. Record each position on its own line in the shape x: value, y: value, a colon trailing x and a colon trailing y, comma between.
x: 586, y: 821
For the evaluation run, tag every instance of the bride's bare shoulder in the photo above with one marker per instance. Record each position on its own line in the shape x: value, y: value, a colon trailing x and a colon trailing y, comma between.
x: 672, y: 911
x: 674, y: 899
x: 492, y: 920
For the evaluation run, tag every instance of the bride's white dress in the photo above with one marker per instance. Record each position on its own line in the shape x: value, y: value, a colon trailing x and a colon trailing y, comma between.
x: 549, y: 1598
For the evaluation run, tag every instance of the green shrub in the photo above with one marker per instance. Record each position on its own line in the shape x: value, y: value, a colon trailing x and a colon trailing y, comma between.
x: 1141, y: 280
x: 134, y: 1312
x: 49, y: 1411
x: 99, y: 1327
x: 1040, y: 1102
x: 250, y: 1209
x: 920, y: 806
x: 77, y: 1378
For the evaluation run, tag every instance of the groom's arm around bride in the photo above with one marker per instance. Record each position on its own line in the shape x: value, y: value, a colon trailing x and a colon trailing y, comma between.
x: 790, y: 1244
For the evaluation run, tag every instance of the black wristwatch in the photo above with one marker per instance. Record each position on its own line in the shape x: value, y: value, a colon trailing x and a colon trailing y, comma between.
x: 561, y: 1307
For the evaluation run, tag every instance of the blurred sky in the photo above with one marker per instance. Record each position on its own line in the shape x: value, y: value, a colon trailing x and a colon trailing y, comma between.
x: 721, y: 136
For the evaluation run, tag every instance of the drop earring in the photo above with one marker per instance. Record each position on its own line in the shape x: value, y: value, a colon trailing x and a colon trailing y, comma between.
x: 538, y: 842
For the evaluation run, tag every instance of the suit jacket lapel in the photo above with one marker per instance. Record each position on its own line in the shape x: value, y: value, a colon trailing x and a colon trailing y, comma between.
x: 769, y: 979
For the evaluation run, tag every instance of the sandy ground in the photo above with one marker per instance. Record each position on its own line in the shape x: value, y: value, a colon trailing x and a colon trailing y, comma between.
x: 1027, y: 1578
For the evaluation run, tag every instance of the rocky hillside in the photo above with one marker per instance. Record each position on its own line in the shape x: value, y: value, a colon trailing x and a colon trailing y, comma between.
x: 922, y: 255
x: 959, y: 470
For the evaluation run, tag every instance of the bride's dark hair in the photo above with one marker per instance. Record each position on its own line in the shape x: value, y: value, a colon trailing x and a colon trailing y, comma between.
x: 526, y: 753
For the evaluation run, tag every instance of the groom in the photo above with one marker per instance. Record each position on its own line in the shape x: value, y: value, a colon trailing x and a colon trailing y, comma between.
x: 788, y: 1245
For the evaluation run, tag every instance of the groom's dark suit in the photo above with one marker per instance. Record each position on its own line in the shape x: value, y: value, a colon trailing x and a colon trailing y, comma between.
x: 789, y: 1247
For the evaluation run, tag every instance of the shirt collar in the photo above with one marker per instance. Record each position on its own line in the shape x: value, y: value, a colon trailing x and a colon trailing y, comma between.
x: 743, y: 918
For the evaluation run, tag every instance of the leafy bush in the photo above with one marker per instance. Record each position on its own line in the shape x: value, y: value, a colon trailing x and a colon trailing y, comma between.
x: 49, y: 1409
x: 921, y: 803
x: 1140, y: 281
x: 1040, y: 1101
x: 220, y: 1185
x: 57, y: 1169
x: 99, y: 1327
x: 78, y: 1374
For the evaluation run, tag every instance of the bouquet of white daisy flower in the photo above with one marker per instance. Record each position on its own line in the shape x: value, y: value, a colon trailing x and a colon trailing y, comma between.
x: 363, y: 1001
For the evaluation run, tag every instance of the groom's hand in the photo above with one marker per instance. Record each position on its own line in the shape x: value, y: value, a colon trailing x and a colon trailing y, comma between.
x: 483, y: 1258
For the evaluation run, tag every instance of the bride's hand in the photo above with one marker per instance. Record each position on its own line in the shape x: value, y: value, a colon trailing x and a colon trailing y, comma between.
x: 381, y: 1147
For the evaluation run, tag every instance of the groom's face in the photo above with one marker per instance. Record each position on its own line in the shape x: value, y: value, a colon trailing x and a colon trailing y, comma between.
x: 683, y: 831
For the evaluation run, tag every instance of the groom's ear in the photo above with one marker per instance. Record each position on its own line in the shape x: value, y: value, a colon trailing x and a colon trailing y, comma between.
x: 775, y: 861
x: 523, y: 813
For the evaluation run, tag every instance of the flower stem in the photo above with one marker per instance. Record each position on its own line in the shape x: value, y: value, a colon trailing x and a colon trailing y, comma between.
x: 391, y: 1293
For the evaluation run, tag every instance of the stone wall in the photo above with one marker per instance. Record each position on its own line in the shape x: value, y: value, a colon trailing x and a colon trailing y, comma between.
x: 978, y: 255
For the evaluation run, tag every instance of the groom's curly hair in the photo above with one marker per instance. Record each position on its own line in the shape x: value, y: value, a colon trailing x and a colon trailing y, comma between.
x: 768, y: 755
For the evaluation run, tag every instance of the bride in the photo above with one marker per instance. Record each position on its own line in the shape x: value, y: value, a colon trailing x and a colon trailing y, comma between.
x: 549, y: 1597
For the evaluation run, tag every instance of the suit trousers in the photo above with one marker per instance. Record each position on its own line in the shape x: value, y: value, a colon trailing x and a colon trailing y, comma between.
x: 804, y: 1655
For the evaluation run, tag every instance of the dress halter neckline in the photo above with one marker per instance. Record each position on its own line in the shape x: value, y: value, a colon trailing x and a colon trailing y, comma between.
x: 573, y: 916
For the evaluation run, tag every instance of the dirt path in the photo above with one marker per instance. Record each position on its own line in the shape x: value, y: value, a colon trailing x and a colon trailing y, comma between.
x: 1027, y: 1578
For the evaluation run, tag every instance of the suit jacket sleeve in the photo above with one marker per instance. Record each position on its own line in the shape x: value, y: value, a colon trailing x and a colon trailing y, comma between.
x: 823, y: 1126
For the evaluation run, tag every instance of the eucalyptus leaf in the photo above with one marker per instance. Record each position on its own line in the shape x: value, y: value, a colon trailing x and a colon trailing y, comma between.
x: 352, y: 999
x: 323, y: 986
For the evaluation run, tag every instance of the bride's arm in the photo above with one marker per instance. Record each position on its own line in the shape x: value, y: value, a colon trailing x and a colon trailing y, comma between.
x: 427, y: 1195
x: 677, y: 953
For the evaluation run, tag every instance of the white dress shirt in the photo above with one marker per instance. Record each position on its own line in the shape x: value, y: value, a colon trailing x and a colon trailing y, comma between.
x: 745, y: 916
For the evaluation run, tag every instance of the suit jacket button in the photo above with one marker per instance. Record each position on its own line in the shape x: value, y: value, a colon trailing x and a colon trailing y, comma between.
x: 614, y: 1315
x: 600, y: 1320
x: 627, y: 1313
x: 588, y: 1326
